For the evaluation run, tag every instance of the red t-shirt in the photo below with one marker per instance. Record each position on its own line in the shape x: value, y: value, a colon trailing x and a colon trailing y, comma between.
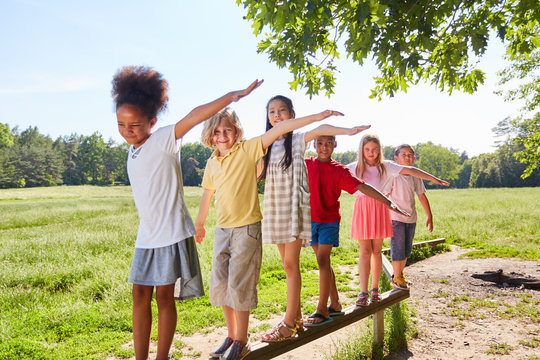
x: 326, y: 180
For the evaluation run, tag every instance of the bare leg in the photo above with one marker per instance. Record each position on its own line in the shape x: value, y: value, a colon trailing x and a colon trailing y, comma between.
x: 376, y: 262
x: 142, y: 319
x: 166, y: 319
x: 364, y: 263
x: 326, y: 278
x: 242, y: 324
x: 290, y: 256
x: 230, y: 320
x: 398, y: 267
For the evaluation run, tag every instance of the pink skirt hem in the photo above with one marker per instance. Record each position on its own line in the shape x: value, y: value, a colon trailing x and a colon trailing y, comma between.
x: 371, y: 219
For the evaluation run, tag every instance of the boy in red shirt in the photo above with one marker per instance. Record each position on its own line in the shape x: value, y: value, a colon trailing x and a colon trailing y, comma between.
x: 327, y: 178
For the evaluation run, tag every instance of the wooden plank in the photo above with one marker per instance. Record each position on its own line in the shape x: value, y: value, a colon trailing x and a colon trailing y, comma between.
x: 422, y: 243
x: 387, y: 267
x: 263, y: 351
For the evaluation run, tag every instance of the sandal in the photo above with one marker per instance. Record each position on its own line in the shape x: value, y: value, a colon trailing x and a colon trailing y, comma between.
x: 299, y: 325
x: 362, y: 299
x: 276, y: 335
x: 375, y: 295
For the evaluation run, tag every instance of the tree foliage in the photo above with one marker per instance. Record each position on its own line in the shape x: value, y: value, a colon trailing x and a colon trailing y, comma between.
x: 410, y: 41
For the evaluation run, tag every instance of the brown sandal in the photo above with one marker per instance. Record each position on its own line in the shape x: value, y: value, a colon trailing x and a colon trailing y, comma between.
x: 276, y: 335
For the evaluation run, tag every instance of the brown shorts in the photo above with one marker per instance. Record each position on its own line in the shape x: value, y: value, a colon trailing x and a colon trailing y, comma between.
x: 236, y: 266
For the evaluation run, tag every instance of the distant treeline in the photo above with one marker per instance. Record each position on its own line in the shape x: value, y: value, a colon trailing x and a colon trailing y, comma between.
x: 29, y: 159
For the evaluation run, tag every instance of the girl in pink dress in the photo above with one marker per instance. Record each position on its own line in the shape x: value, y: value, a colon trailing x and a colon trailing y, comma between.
x: 371, y: 222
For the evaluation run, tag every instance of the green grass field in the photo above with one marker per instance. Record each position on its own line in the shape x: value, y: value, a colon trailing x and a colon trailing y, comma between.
x: 65, y: 254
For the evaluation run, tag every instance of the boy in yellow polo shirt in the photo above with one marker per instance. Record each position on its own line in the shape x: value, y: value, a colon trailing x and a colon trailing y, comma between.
x: 231, y: 173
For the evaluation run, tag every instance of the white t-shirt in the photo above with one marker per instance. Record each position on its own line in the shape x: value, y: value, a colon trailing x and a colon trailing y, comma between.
x: 156, y: 181
x: 372, y: 177
x: 403, y: 189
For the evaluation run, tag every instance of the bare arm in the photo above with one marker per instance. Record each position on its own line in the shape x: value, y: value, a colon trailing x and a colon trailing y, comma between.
x: 379, y: 196
x: 289, y: 125
x: 409, y: 170
x: 425, y: 204
x: 204, y: 112
x: 330, y: 130
x: 204, y: 207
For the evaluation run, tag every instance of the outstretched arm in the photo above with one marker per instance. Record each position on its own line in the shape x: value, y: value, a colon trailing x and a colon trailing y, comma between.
x: 204, y: 112
x: 289, y: 125
x: 204, y: 207
x: 409, y: 170
x: 330, y: 130
x: 379, y: 196
x: 425, y: 204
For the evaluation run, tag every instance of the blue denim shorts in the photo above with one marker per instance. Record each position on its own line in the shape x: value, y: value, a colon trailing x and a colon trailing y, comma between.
x: 325, y: 233
x: 401, y: 242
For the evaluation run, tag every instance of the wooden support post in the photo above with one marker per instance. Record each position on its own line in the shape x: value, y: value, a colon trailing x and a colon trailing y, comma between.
x: 378, y: 327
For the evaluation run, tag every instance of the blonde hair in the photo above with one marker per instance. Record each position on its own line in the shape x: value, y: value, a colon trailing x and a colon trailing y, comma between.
x: 211, y: 124
x: 361, y: 164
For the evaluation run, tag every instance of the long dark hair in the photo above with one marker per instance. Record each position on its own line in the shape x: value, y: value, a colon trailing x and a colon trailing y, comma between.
x: 286, y: 161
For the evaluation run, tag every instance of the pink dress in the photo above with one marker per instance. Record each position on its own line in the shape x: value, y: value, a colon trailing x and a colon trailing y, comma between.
x: 371, y: 218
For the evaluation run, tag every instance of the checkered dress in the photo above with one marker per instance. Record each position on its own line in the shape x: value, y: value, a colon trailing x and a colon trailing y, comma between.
x: 287, y: 214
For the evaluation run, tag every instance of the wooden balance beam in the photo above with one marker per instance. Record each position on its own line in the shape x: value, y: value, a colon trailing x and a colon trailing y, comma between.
x: 262, y: 351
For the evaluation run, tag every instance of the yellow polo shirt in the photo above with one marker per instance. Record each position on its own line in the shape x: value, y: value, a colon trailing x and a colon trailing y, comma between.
x: 234, y: 178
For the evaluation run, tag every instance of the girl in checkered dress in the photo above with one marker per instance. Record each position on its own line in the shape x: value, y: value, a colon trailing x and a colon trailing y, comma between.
x: 286, y: 214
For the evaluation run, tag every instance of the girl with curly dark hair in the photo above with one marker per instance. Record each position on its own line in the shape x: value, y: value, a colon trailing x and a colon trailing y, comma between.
x: 165, y: 254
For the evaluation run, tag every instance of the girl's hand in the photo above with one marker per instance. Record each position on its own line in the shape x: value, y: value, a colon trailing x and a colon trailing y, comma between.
x: 355, y: 130
x: 441, y: 182
x: 328, y: 113
x: 237, y: 95
x: 201, y: 233
x: 396, y: 208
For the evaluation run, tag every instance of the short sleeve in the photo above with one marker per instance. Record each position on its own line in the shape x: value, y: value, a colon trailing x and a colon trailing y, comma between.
x: 419, y: 187
x: 253, y: 148
x: 349, y: 182
x: 165, y: 139
x: 207, y: 182
x: 392, y: 168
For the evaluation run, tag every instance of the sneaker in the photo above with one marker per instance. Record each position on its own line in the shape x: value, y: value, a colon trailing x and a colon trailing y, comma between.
x: 399, y: 282
x: 237, y: 351
x: 222, y: 348
x: 407, y: 280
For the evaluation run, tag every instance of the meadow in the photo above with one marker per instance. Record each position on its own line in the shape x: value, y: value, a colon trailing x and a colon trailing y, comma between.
x: 65, y: 254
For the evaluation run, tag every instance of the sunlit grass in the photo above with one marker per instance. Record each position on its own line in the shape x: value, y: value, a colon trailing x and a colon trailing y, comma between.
x: 65, y: 254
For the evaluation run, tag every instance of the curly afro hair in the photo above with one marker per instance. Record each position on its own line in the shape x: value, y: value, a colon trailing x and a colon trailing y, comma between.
x: 140, y: 86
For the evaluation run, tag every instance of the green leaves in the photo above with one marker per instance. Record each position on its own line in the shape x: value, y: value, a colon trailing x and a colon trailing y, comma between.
x: 410, y: 41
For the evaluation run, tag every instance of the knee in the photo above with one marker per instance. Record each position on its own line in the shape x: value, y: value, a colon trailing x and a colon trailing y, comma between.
x: 323, y: 262
x: 142, y: 295
x: 291, y: 267
x: 164, y: 296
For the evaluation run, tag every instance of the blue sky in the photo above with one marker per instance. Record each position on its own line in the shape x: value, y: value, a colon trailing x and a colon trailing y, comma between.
x: 58, y: 59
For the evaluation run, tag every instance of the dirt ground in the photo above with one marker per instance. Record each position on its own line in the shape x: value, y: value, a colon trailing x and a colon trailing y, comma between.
x: 454, y: 314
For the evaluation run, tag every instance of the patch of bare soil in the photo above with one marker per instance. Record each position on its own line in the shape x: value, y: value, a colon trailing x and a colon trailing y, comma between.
x: 461, y: 317
x: 456, y: 315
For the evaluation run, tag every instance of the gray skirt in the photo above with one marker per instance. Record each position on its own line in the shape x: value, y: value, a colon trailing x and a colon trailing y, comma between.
x: 174, y: 264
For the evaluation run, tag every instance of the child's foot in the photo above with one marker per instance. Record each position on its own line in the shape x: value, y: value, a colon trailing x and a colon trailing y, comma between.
x: 335, y: 310
x: 375, y: 295
x: 399, y: 282
x: 362, y: 299
x: 222, y: 348
x: 407, y: 280
x: 317, y: 319
x: 281, y: 332
x: 237, y: 351
x: 299, y: 324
